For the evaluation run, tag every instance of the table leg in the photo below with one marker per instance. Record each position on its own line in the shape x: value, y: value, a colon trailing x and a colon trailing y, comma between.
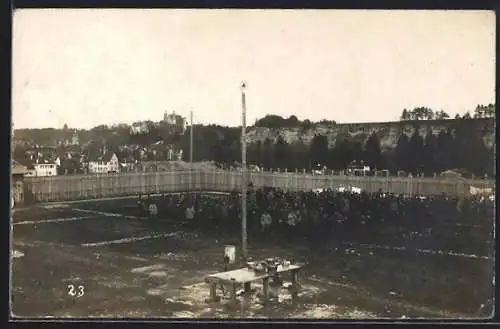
x: 277, y: 280
x: 213, y: 291
x: 295, y: 277
x: 265, y: 288
x: 247, y: 287
x: 233, y: 292
x: 295, y: 284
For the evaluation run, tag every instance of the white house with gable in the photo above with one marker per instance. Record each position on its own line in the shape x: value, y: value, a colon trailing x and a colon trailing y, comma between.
x: 107, y: 164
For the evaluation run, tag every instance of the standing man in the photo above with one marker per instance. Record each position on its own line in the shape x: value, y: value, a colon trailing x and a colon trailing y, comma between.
x: 265, y: 223
x: 291, y: 223
x: 189, y: 214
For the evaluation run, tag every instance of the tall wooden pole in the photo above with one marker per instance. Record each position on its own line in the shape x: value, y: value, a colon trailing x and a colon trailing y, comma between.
x: 191, y: 139
x: 243, y: 173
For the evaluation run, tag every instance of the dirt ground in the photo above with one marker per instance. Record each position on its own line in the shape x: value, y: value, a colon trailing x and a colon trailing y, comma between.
x: 135, y: 267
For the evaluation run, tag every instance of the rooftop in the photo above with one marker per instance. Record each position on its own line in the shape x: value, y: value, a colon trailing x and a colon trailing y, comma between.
x: 17, y: 168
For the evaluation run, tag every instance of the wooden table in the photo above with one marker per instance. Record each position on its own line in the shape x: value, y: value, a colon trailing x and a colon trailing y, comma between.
x: 246, y: 277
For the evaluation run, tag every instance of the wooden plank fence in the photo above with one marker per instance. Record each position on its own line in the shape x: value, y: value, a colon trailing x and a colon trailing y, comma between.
x: 77, y: 187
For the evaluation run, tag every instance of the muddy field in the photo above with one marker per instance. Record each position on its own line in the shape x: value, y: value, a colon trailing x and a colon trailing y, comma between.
x: 98, y: 259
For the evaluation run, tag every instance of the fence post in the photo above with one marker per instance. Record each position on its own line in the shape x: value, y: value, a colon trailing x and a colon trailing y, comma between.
x: 157, y: 189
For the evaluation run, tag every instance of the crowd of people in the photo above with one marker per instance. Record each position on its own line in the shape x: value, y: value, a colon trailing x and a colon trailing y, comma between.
x: 330, y: 217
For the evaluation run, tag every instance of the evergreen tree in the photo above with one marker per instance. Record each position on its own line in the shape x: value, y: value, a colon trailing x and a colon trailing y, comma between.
x: 401, y: 153
x: 429, y: 154
x: 268, y: 153
x: 282, y: 154
x: 415, y: 153
x: 444, y: 149
x: 373, y: 155
x: 319, y: 150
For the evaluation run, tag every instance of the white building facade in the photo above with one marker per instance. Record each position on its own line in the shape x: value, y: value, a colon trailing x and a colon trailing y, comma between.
x: 45, y: 169
x: 102, y: 167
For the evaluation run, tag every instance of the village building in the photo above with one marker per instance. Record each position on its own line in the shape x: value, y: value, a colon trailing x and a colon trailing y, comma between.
x: 17, y: 185
x: 107, y: 164
x: 45, y: 169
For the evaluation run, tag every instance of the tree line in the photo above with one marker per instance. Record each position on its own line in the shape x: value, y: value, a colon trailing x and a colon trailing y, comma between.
x: 414, y: 154
x: 425, y: 113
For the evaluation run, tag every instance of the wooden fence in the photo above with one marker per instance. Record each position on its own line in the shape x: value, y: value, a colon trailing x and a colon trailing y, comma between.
x: 78, y: 187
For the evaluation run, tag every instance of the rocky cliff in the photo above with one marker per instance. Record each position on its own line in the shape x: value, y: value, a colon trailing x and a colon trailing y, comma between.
x: 388, y: 132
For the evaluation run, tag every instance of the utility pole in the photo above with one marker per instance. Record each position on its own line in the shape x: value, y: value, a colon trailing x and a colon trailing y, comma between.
x: 191, y: 139
x: 244, y: 173
x: 494, y: 159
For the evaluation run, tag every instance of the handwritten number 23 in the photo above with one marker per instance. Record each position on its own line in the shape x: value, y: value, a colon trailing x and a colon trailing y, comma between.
x: 76, y: 291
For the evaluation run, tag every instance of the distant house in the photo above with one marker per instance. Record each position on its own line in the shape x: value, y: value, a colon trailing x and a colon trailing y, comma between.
x: 75, y: 140
x: 170, y: 118
x: 107, y: 164
x: 17, y: 168
x: 176, y: 121
x: 39, y: 164
x: 45, y: 169
x: 17, y: 188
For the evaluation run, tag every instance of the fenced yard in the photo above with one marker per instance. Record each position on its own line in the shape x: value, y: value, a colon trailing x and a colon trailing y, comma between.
x: 77, y: 187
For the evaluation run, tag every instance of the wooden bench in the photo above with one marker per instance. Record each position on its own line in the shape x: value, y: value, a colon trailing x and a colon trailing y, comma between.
x: 245, y: 277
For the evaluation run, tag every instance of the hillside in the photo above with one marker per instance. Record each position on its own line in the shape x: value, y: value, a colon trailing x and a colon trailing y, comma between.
x: 388, y: 132
x: 427, y: 146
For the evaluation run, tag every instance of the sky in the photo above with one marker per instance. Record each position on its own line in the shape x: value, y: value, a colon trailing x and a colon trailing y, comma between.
x: 86, y: 67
